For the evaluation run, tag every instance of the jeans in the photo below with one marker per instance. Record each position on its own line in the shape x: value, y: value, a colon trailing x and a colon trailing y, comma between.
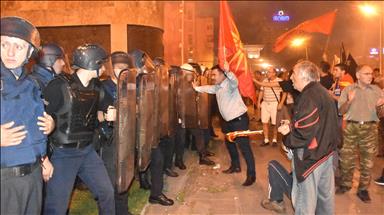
x: 316, y: 194
x: 109, y: 157
x: 243, y: 142
x: 85, y: 163
x: 280, y: 181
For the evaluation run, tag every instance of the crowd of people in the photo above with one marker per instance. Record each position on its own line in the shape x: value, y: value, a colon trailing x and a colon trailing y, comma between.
x: 58, y: 126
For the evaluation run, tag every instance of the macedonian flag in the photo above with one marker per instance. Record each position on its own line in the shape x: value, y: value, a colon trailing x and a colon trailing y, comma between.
x: 231, y: 50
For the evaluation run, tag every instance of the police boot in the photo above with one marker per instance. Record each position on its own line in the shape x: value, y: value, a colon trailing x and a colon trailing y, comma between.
x: 204, y: 160
x: 180, y: 163
x: 160, y: 199
x: 144, y: 183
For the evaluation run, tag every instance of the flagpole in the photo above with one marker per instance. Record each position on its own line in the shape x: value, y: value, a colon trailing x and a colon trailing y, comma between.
x: 326, y: 45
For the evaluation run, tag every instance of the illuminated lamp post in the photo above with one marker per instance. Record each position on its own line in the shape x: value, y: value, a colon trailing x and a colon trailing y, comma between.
x: 371, y: 11
x: 300, y: 41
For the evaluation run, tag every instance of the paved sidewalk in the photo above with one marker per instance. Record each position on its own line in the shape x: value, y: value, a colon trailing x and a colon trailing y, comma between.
x: 205, y: 190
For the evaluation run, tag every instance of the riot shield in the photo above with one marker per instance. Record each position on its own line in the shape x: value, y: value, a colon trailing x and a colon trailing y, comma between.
x: 146, y: 120
x: 203, y: 104
x: 186, y: 100
x: 125, y: 129
x: 172, y: 100
x: 164, y: 98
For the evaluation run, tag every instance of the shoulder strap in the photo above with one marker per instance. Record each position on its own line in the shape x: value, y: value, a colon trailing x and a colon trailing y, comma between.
x: 274, y: 93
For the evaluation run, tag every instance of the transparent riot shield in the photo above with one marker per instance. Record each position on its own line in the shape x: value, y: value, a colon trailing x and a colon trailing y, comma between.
x: 125, y: 129
x: 146, y: 119
x: 203, y: 104
x: 172, y: 100
x: 186, y: 100
x: 164, y: 95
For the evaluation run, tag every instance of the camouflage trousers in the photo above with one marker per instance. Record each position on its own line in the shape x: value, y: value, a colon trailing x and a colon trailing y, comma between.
x: 359, y: 140
x: 381, y: 138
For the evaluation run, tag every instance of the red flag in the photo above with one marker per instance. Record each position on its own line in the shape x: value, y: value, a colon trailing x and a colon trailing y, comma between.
x: 322, y: 24
x: 231, y: 50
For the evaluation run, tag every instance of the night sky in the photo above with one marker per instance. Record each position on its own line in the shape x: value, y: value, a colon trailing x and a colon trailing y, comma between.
x: 255, y: 25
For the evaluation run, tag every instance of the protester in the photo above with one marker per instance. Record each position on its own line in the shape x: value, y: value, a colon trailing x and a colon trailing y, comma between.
x: 358, y: 102
x: 234, y: 112
x: 312, y: 141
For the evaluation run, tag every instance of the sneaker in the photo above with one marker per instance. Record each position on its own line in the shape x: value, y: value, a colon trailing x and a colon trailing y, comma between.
x: 273, y: 205
x: 274, y: 143
x: 342, y: 189
x: 265, y: 143
x: 364, y: 196
x: 380, y: 181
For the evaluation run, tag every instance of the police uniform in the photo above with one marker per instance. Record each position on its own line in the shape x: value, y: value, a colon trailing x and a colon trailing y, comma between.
x: 20, y: 169
x: 21, y: 174
x: 74, y: 107
x: 108, y: 147
x: 43, y: 71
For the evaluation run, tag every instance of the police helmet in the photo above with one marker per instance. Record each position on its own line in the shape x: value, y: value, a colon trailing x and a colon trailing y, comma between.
x: 120, y: 57
x: 89, y: 57
x: 187, y: 67
x: 13, y: 26
x: 138, y: 57
x: 197, y: 68
x: 203, y: 68
x: 49, y: 53
x: 158, y: 61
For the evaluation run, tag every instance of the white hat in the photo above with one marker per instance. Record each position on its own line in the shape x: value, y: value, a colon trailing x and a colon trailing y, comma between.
x: 187, y: 67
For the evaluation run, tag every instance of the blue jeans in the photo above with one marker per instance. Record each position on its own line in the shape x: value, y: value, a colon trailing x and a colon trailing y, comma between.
x: 316, y: 194
x: 280, y: 181
x: 85, y: 163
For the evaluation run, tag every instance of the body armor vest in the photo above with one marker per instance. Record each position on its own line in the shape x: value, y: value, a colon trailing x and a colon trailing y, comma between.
x: 21, y: 103
x: 76, y: 120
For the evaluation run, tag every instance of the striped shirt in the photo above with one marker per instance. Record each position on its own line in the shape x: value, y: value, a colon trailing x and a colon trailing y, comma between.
x: 228, y: 97
x: 268, y: 95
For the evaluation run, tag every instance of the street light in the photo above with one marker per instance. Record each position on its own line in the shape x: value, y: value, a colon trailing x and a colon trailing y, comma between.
x: 300, y: 41
x: 369, y: 11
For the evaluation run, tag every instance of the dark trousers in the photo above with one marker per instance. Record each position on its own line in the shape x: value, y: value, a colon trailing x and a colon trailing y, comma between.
x: 180, y: 141
x: 85, y: 163
x: 206, y: 136
x: 109, y: 157
x: 156, y: 168
x: 280, y: 181
x: 239, y: 124
x: 22, y: 194
x: 167, y: 146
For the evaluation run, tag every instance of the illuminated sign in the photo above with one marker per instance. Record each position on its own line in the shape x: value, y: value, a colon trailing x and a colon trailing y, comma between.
x: 373, y: 51
x: 280, y: 17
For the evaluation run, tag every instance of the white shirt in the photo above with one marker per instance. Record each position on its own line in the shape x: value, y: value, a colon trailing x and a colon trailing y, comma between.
x: 269, y: 95
x: 228, y: 97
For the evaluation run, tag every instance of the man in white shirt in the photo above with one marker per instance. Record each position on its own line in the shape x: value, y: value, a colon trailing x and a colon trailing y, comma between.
x: 270, y: 105
x: 234, y: 112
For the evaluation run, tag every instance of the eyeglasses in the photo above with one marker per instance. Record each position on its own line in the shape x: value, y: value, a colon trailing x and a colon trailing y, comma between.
x: 366, y: 73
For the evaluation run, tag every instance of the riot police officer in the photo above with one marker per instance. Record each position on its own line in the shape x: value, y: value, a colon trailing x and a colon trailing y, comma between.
x: 147, y: 100
x: 187, y: 111
x: 120, y: 61
x: 167, y: 114
x: 73, y: 100
x: 50, y: 63
x: 24, y: 124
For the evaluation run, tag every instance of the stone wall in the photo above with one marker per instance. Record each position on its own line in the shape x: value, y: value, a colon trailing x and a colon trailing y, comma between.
x: 117, y: 14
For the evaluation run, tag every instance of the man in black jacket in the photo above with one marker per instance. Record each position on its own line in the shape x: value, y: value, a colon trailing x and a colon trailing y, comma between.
x: 311, y: 137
